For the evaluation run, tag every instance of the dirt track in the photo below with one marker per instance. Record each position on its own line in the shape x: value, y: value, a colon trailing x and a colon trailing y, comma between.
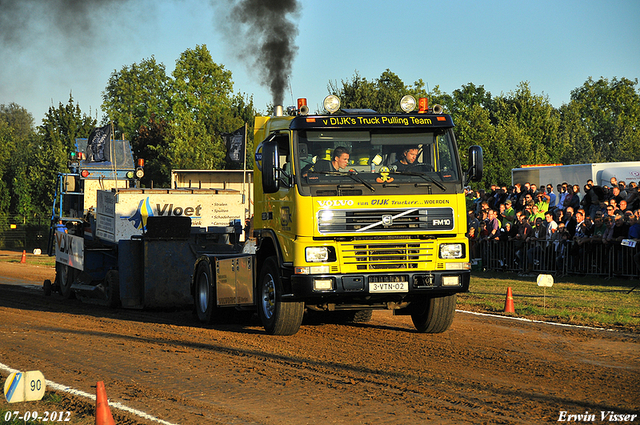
x: 482, y: 371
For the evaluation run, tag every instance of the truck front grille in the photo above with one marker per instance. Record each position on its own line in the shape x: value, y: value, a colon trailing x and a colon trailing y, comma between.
x: 380, y: 256
x: 388, y: 220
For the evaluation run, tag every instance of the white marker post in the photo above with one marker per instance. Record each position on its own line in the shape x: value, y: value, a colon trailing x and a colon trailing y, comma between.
x: 24, y: 386
x: 546, y: 281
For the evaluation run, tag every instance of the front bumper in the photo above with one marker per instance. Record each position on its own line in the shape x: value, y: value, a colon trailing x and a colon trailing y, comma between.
x: 349, y: 287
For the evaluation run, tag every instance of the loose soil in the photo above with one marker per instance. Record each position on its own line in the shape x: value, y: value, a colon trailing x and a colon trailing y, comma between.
x: 481, y: 371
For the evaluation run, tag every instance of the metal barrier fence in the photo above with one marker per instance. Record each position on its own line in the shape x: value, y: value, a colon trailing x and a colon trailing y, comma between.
x: 17, y: 233
x: 561, y: 258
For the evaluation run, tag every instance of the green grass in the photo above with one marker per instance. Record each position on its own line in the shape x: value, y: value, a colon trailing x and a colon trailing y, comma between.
x: 7, y: 411
x: 82, y: 412
x: 585, y: 301
x: 37, y: 260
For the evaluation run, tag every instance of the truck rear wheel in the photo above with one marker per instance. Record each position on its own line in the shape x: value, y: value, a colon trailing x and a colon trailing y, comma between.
x: 64, y: 277
x: 47, y: 287
x: 278, y: 317
x: 433, y: 315
x: 205, y: 289
x: 112, y: 288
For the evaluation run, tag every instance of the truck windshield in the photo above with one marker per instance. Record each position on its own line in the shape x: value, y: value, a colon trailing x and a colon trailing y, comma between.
x: 375, y: 158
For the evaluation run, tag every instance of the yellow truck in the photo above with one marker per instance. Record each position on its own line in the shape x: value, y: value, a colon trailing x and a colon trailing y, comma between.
x: 354, y: 211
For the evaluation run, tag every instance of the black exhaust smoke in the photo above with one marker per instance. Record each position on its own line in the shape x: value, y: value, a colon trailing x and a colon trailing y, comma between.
x: 262, y: 34
x: 23, y: 21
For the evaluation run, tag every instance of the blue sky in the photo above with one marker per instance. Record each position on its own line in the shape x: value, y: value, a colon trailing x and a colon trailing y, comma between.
x: 554, y: 45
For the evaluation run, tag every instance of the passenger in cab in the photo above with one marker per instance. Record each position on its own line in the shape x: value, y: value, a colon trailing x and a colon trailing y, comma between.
x: 340, y: 160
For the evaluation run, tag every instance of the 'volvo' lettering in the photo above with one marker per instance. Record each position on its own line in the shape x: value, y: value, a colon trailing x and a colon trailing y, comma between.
x: 336, y: 203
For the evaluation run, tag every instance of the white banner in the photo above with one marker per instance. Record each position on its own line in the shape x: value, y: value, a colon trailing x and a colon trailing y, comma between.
x: 70, y: 250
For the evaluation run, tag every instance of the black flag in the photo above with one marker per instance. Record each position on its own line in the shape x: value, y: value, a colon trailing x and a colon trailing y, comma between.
x: 235, y: 145
x: 99, y: 139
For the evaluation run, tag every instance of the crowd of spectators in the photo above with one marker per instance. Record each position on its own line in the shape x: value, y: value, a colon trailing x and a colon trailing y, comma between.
x: 564, y: 220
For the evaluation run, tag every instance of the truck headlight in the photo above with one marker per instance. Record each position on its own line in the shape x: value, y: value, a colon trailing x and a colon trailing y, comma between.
x: 319, y: 254
x: 451, y: 250
x: 331, y: 103
x: 408, y: 103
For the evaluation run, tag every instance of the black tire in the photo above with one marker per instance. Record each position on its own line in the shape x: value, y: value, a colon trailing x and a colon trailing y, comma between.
x: 433, y: 315
x: 204, y: 292
x: 46, y: 286
x: 278, y: 317
x: 360, y: 316
x: 64, y: 278
x: 352, y: 316
x: 112, y: 288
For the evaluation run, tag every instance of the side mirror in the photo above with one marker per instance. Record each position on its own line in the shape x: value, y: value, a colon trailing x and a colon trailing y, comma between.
x: 475, y: 164
x: 270, y: 166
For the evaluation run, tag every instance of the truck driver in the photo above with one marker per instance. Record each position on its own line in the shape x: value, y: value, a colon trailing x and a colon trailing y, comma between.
x: 407, y: 159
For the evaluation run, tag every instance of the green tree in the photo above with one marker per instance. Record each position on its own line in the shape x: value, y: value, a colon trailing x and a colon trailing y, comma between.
x: 134, y: 95
x: 575, y: 145
x: 473, y: 127
x: 20, y: 138
x: 471, y: 110
x: 64, y: 124
x: 202, y: 111
x: 60, y: 128
x: 535, y: 115
x: 176, y: 121
x: 610, y: 113
x: 382, y: 94
x: 466, y: 97
x: 137, y: 99
x: 510, y: 147
x: 153, y: 146
x: 7, y: 148
x: 354, y: 94
x: 19, y: 119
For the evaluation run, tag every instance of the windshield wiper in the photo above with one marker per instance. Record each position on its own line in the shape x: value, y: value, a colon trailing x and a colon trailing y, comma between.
x: 354, y: 176
x: 423, y: 176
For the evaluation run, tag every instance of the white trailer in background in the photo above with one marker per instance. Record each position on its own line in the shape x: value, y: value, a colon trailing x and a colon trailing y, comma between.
x: 600, y: 173
x: 239, y: 180
x: 117, y: 244
x: 123, y: 213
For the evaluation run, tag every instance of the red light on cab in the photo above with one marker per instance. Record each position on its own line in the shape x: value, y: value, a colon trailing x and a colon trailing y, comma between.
x: 85, y: 173
x: 423, y: 105
x: 140, y: 162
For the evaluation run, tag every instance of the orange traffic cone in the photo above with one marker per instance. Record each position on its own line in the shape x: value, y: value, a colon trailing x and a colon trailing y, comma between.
x: 23, y: 260
x: 508, y: 304
x: 103, y: 413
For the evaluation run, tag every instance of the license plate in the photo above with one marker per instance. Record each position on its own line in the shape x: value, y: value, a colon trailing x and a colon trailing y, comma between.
x: 388, y: 287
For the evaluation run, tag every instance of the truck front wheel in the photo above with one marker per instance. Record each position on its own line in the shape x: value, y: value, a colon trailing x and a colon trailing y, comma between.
x: 64, y: 277
x: 433, y: 315
x: 278, y: 317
